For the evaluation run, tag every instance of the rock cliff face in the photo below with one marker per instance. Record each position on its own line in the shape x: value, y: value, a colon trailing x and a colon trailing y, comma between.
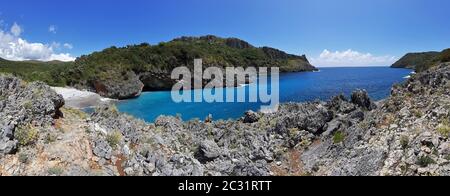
x: 406, y: 134
x: 125, y: 86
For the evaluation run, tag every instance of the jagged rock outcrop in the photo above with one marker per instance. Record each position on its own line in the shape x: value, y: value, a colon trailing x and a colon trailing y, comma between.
x: 156, y: 81
x: 406, y: 134
x: 127, y: 85
x: 20, y: 105
x: 237, y: 43
x: 362, y: 99
x: 251, y: 117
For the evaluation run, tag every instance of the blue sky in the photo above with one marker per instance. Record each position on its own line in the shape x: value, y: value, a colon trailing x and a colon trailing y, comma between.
x: 330, y: 32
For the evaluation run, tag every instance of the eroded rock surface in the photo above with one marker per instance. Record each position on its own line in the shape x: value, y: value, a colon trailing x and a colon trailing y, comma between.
x: 406, y: 134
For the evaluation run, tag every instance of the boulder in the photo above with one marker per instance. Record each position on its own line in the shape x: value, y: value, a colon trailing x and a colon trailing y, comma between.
x: 102, y: 149
x: 340, y: 104
x: 362, y: 99
x: 208, y: 151
x: 120, y: 87
x: 8, y: 147
x: 7, y: 132
x: 311, y: 117
x: 251, y: 117
x: 332, y: 127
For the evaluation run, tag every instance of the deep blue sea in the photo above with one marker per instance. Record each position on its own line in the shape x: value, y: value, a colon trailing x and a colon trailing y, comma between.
x: 294, y: 87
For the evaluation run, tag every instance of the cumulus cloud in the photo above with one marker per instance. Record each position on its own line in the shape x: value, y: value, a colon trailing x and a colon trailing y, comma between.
x: 52, y: 29
x: 13, y: 47
x: 351, y: 58
x: 66, y: 57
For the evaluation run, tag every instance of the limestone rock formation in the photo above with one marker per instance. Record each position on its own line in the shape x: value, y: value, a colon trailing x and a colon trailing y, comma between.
x: 406, y: 134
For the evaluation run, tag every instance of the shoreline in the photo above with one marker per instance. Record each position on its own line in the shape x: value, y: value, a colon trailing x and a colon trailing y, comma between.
x: 78, y: 99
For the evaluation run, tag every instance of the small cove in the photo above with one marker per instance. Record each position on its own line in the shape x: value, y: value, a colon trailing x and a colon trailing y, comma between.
x: 294, y: 87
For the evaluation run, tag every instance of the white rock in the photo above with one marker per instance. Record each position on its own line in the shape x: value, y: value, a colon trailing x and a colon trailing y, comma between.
x: 126, y: 150
x: 100, y: 129
x: 393, y: 126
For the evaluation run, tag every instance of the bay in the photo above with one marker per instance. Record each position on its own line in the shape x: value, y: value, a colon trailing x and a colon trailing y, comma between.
x: 294, y: 87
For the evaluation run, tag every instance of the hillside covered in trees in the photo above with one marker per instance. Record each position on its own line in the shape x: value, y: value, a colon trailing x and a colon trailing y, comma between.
x: 422, y: 61
x: 124, y: 72
x: 51, y: 73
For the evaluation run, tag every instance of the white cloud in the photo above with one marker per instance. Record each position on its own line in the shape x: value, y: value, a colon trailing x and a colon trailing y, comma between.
x: 68, y: 46
x: 13, y: 47
x: 66, y: 57
x: 52, y: 29
x: 351, y: 58
x: 16, y: 30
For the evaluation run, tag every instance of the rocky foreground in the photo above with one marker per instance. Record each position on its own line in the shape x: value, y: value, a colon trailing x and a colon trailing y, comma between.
x: 406, y: 134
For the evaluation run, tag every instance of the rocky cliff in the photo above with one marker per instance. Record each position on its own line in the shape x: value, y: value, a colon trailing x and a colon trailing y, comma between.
x: 406, y: 134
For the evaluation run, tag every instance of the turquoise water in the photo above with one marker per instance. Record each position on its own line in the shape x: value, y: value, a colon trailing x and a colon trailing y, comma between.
x: 294, y: 87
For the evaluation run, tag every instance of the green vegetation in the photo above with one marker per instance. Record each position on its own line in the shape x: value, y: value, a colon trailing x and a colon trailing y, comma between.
x: 338, y: 137
x: 114, y: 139
x: 28, y: 104
x: 23, y: 158
x: 424, y: 161
x: 444, y: 56
x: 3, y: 97
x: 51, y: 73
x: 422, y: 61
x: 75, y: 112
x: 50, y: 138
x: 447, y: 157
x: 114, y: 109
x: 26, y: 134
x: 293, y: 131
x: 417, y: 113
x: 404, y: 141
x: 418, y: 61
x: 114, y: 64
x: 55, y: 171
x: 405, y: 168
x: 444, y: 128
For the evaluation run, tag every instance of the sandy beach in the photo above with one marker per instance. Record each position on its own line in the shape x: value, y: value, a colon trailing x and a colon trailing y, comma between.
x: 75, y: 98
